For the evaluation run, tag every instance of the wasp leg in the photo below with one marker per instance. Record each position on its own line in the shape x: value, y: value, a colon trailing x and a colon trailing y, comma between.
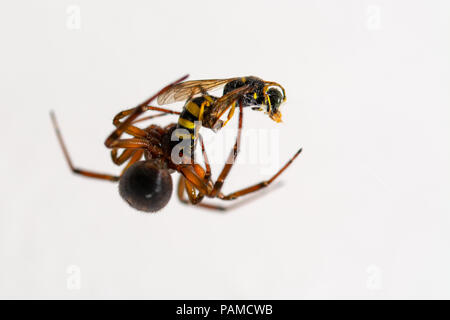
x: 231, y: 159
x: 230, y: 113
x: 205, y: 159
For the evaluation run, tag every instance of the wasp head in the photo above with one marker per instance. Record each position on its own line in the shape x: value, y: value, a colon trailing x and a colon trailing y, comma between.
x: 274, y: 98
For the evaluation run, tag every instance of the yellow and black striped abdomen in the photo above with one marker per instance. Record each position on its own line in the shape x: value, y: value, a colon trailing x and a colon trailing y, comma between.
x: 188, y: 122
x: 188, y: 117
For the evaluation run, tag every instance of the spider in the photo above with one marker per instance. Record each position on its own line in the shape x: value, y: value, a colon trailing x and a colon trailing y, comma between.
x: 146, y: 185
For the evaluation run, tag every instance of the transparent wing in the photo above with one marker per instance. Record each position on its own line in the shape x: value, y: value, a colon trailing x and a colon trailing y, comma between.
x: 187, y: 89
x: 223, y: 103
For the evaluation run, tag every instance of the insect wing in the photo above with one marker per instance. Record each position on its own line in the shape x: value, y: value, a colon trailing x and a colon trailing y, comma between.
x: 187, y: 89
x: 225, y: 102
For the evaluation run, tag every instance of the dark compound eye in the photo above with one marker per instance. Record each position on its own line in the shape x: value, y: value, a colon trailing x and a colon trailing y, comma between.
x: 276, y: 98
x: 145, y: 187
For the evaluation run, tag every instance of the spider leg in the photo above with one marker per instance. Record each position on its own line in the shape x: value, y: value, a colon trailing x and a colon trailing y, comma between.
x: 76, y: 170
x: 154, y: 116
x: 124, y: 156
x: 137, y: 155
x: 182, y: 188
x: 260, y: 185
x: 133, y: 130
x: 134, y: 113
x: 231, y: 159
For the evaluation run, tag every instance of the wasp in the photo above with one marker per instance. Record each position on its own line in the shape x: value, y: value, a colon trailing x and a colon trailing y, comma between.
x: 145, y: 183
x: 206, y: 110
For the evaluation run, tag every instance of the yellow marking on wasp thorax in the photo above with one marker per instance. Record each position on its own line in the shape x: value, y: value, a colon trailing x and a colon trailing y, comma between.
x: 230, y: 114
x: 210, y: 100
x: 255, y: 96
x: 193, y: 108
x: 202, y: 109
x: 184, y: 135
x: 243, y: 79
x: 186, y: 123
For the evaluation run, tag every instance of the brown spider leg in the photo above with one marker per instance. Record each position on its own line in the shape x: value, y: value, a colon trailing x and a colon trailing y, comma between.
x: 127, y: 126
x: 181, y: 189
x: 86, y: 173
x: 200, y: 172
x: 194, y: 180
x: 132, y: 154
x: 125, y: 113
x: 135, y: 131
x: 136, y: 157
x: 185, y: 185
x: 154, y: 116
x: 125, y: 155
x: 206, y: 205
x: 231, y: 158
x: 194, y: 198
x: 190, y: 174
x: 191, y: 182
x: 190, y: 185
x: 136, y: 143
x: 260, y: 185
x: 137, y: 112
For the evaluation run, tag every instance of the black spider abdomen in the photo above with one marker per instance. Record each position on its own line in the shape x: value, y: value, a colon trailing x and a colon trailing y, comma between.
x: 145, y: 187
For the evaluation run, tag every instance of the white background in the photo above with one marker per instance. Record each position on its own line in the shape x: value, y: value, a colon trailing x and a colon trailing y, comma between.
x: 363, y: 212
